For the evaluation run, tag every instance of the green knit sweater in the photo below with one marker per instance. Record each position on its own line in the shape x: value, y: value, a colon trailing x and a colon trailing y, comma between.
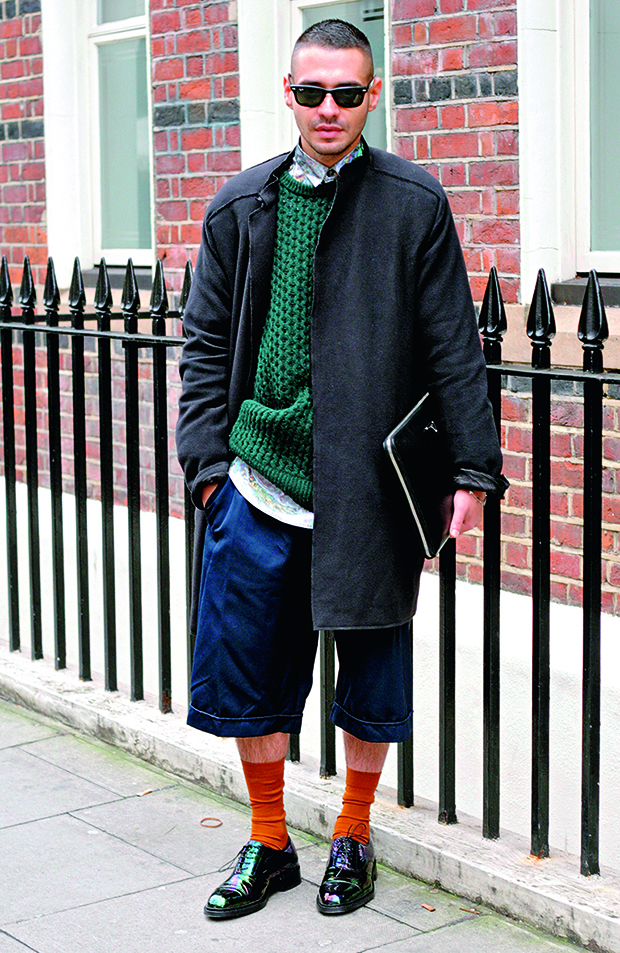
x: 273, y: 432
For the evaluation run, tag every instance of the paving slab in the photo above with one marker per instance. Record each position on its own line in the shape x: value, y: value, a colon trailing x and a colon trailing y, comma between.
x: 167, y: 824
x: 16, y: 729
x: 99, y: 763
x: 32, y: 789
x: 486, y: 934
x: 171, y: 919
x: 396, y: 896
x: 95, y: 866
x: 62, y: 862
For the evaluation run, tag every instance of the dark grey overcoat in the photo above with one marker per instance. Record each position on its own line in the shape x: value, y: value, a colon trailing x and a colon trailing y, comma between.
x: 392, y: 317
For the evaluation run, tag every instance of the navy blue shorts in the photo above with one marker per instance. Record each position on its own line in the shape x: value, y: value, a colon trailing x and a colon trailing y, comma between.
x: 255, y: 646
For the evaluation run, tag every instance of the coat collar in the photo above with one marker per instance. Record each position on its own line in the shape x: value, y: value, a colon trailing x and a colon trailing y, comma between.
x: 349, y: 173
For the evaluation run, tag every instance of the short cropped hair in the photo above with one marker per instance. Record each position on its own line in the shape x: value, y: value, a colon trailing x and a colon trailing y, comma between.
x: 336, y: 35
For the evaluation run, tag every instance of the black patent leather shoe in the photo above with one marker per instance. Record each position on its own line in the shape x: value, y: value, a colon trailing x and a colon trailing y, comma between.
x: 259, y: 871
x: 349, y: 879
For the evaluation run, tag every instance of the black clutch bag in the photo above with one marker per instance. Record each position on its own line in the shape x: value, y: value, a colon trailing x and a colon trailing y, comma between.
x: 416, y: 451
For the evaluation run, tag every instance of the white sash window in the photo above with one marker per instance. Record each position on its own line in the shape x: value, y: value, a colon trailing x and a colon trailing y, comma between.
x: 121, y: 154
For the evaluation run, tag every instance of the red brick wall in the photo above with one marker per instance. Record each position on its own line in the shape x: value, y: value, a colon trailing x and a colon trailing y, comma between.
x: 22, y: 148
x: 456, y: 112
x: 195, y: 117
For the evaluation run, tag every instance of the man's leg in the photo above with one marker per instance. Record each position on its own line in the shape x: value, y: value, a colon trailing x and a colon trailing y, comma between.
x: 262, y: 760
x: 250, y: 679
x: 365, y: 760
x: 373, y: 706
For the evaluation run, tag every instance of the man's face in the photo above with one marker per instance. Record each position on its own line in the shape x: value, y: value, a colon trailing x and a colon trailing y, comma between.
x: 328, y: 131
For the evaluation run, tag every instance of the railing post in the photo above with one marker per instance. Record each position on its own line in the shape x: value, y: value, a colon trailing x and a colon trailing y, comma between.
x: 130, y: 305
x: 77, y: 302
x: 158, y: 310
x: 540, y: 330
x: 492, y: 325
x: 593, y: 332
x: 8, y: 428
x: 51, y: 303
x: 103, y: 306
x: 404, y: 758
x: 190, y: 515
x: 27, y: 299
x: 447, y: 684
x: 327, y: 767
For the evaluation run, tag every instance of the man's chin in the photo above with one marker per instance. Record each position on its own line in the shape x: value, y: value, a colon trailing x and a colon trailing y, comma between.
x: 331, y: 147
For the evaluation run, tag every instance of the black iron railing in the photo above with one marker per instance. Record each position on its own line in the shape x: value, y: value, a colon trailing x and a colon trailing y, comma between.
x: 108, y: 330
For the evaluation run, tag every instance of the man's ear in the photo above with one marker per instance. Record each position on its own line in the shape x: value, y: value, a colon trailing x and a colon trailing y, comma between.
x: 288, y: 94
x: 374, y: 93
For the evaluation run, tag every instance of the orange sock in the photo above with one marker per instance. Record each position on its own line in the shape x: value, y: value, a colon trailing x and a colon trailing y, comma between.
x: 265, y: 781
x: 359, y: 793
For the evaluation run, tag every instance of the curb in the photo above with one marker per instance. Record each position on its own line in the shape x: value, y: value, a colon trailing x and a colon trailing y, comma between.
x: 549, y: 894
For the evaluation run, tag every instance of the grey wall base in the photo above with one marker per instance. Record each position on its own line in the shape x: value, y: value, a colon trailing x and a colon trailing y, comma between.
x: 549, y: 894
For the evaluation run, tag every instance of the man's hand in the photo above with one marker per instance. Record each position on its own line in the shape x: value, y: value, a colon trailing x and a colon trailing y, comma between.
x: 207, y: 491
x: 467, y: 511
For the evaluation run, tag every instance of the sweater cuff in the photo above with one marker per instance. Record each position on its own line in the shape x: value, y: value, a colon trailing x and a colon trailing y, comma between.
x: 476, y: 480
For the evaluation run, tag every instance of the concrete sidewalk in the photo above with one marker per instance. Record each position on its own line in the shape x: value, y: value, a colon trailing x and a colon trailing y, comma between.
x: 104, y: 853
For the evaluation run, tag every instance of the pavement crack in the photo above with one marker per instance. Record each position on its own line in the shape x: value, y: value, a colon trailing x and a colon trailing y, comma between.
x: 81, y: 777
x: 17, y: 940
x: 94, y: 903
x: 50, y: 817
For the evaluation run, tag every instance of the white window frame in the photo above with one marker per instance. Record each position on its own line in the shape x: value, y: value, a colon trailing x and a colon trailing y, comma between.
x: 554, y: 142
x: 69, y: 151
x: 267, y: 31
x: 547, y: 140
x: 98, y: 35
x: 604, y: 261
x: 67, y: 141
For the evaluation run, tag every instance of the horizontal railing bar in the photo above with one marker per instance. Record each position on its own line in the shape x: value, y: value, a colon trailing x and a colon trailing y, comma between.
x: 558, y: 374
x: 39, y: 319
x: 145, y: 340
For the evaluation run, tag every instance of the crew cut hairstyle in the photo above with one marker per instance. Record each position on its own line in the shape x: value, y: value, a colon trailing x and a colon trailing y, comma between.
x: 337, y: 35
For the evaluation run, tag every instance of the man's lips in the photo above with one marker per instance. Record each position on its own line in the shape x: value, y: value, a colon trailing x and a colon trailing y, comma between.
x: 328, y: 130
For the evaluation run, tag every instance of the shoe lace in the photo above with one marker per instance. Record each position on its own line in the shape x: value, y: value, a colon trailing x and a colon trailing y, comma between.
x: 346, y: 853
x: 242, y: 860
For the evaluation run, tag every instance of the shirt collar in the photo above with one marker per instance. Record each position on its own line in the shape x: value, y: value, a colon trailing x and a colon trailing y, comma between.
x: 309, y: 171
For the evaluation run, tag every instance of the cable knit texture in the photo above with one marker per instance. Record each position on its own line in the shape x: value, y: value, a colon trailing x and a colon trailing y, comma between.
x: 273, y: 432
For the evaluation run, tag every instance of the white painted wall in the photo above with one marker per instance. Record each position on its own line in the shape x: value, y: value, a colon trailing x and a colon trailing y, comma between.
x: 516, y: 647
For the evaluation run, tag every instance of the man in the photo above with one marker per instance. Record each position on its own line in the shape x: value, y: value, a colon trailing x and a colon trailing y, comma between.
x: 330, y: 293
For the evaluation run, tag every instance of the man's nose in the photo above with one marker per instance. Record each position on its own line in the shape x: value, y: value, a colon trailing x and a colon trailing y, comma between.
x: 329, y: 106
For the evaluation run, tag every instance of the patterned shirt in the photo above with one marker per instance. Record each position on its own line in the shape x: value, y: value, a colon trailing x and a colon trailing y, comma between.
x: 254, y: 487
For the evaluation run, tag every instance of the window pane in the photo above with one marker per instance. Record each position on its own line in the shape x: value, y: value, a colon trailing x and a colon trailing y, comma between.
x: 604, y: 125
x: 123, y: 120
x: 110, y: 10
x: 367, y: 15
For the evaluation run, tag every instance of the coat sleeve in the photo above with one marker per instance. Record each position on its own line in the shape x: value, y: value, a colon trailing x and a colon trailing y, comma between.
x: 453, y: 359
x: 202, y: 428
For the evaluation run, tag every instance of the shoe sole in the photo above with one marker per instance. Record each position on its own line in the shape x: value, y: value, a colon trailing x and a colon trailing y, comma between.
x: 278, y: 884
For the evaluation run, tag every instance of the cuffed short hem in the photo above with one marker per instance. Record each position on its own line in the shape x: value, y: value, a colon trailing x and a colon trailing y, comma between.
x: 371, y: 731
x: 243, y: 727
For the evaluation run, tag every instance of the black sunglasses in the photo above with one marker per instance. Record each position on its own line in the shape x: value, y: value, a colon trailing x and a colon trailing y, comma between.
x: 347, y: 97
